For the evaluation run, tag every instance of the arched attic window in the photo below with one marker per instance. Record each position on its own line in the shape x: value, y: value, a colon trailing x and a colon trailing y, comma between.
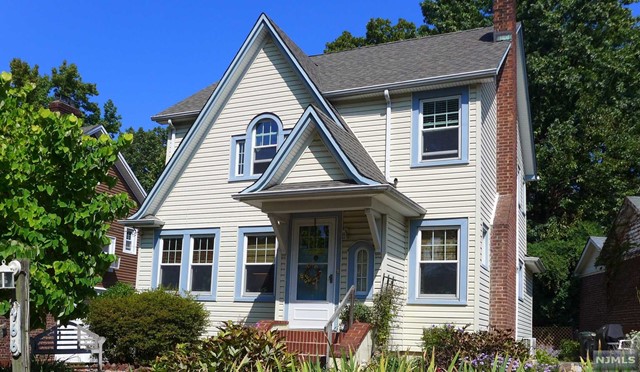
x: 253, y: 151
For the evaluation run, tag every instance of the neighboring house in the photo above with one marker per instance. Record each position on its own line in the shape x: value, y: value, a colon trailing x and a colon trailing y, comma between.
x: 295, y: 177
x: 124, y: 240
x: 609, y: 293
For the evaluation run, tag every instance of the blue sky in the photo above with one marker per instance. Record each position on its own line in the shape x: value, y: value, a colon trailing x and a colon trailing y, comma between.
x: 147, y: 55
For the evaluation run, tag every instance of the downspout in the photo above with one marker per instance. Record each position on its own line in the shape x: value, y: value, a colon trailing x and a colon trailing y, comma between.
x: 387, y: 142
x: 171, y: 141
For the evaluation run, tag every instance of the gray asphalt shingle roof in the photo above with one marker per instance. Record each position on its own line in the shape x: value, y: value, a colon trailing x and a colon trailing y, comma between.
x: 415, y: 59
x: 192, y: 104
x: 424, y: 58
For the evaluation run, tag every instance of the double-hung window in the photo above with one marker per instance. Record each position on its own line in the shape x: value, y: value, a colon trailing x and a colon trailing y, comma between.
x: 265, y: 143
x: 438, y: 261
x: 256, y: 264
x: 202, y: 255
x: 130, y: 240
x: 439, y: 264
x: 171, y: 262
x: 440, y: 134
x: 186, y: 261
x: 254, y: 150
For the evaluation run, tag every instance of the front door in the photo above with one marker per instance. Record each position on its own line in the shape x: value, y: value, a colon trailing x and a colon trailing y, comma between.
x: 312, y: 278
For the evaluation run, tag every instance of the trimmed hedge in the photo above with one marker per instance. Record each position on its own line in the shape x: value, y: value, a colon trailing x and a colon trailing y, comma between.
x: 140, y: 326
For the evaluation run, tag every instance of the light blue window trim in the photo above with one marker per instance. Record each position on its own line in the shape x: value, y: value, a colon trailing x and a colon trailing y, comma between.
x: 248, y: 138
x: 416, y: 131
x: 352, y: 271
x: 414, y: 268
x: 185, y: 264
x: 240, y: 296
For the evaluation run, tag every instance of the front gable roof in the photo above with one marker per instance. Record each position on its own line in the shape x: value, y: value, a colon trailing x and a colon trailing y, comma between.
x: 407, y: 64
x: 223, y: 89
x: 339, y: 140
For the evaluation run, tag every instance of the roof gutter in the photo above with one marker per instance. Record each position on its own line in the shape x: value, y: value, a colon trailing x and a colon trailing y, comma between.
x: 413, y: 83
x: 143, y: 222
x: 164, y: 119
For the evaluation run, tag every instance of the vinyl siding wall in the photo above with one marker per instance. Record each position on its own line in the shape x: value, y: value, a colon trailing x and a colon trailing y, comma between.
x: 525, y: 305
x: 445, y: 192
x: 315, y: 164
x: 488, y: 195
x: 201, y: 197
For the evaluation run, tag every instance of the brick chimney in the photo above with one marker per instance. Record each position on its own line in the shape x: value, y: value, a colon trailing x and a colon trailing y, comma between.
x: 504, y: 248
x: 59, y: 105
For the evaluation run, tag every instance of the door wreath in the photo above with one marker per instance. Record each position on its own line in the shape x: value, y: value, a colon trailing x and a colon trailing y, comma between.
x: 311, y: 275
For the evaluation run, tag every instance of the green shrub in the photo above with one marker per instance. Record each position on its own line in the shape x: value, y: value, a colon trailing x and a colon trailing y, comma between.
x: 119, y: 290
x: 569, y: 350
x: 546, y: 358
x: 361, y: 313
x: 386, y: 304
x: 234, y: 348
x: 140, y: 326
x: 447, y: 341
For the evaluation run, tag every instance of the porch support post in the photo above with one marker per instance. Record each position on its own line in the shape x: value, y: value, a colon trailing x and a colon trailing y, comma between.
x: 377, y: 227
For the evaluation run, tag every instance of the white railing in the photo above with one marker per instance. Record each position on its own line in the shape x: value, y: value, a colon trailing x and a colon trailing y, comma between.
x: 349, y: 298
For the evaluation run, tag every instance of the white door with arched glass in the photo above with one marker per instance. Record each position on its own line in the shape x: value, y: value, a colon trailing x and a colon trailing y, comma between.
x: 312, y: 273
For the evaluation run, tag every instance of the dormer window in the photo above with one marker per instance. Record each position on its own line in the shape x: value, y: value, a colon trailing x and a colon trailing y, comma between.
x: 253, y: 151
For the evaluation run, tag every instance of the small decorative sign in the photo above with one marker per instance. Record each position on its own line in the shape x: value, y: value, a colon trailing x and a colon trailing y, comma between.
x: 15, y: 329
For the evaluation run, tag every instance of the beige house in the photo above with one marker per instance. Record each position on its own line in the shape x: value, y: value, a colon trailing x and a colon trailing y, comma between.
x: 294, y: 178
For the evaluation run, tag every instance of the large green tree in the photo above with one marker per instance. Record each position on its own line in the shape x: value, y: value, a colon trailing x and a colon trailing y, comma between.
x: 50, y: 212
x: 147, y: 154
x: 583, y: 62
x: 65, y: 82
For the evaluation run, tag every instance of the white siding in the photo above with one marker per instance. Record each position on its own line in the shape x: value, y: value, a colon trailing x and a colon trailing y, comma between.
x: 445, y: 192
x: 488, y: 194
x: 315, y: 164
x: 395, y: 265
x: 525, y: 305
x: 145, y: 259
x: 201, y: 197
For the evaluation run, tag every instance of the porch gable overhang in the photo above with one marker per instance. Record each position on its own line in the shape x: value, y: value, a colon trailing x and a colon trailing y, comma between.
x: 321, y: 198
